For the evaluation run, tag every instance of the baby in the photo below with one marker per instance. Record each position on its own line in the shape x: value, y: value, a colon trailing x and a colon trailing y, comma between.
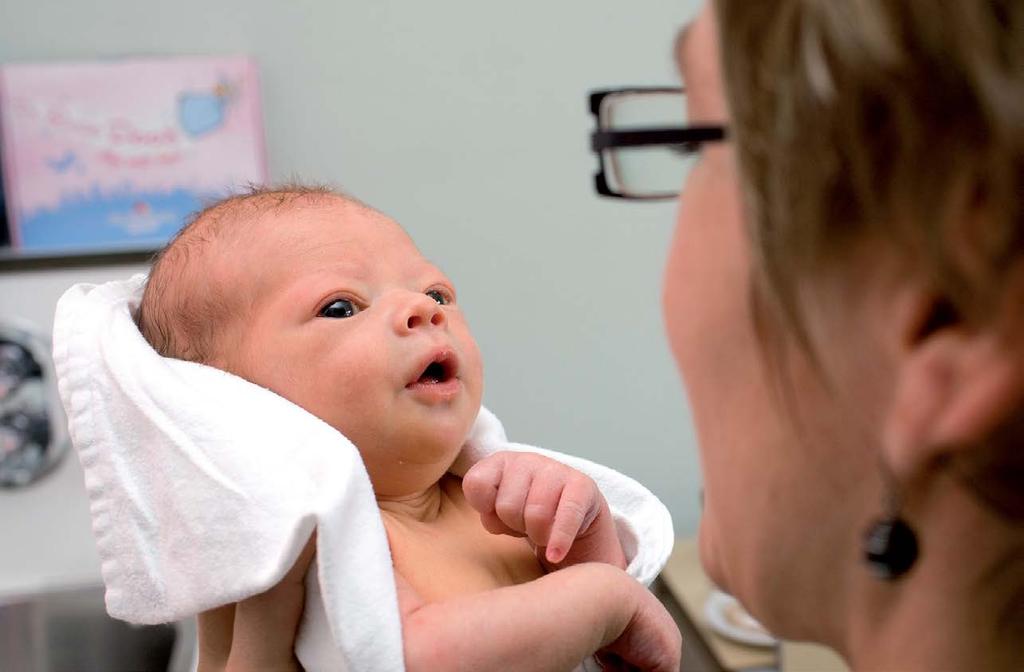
x: 329, y: 304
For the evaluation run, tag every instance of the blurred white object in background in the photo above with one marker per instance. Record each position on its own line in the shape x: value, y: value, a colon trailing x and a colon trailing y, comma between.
x: 727, y: 617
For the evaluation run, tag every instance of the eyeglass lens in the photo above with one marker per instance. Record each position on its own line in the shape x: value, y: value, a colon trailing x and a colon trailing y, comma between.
x: 654, y: 171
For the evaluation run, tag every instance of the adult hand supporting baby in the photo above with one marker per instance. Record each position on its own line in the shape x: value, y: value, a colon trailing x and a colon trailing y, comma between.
x: 559, y: 509
x: 257, y: 633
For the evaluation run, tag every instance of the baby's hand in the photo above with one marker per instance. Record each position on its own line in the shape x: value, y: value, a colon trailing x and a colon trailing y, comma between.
x: 557, y: 507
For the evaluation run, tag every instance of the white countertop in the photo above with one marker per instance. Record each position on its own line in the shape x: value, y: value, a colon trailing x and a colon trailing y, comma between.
x: 45, y: 534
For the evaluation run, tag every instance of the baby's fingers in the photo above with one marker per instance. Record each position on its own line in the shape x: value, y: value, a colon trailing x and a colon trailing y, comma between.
x: 577, y: 509
x: 498, y: 494
x: 510, y: 503
x: 542, y: 505
x: 481, y: 482
x: 494, y: 525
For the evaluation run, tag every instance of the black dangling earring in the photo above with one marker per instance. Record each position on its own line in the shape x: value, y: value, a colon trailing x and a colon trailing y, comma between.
x: 890, y: 548
x: 890, y: 545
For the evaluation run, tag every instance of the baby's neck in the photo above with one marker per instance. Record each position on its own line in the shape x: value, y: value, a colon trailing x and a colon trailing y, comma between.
x: 423, y: 506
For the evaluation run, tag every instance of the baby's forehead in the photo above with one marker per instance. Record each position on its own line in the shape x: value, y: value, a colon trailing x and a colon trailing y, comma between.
x: 340, y: 237
x: 244, y: 245
x: 341, y: 228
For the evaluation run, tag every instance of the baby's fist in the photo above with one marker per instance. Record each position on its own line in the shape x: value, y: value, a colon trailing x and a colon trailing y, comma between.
x: 557, y: 507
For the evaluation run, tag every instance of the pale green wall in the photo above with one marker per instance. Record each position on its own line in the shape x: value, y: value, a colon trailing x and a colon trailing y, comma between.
x: 466, y: 121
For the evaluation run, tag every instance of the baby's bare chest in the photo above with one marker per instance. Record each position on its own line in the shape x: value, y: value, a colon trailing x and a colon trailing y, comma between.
x: 457, y: 556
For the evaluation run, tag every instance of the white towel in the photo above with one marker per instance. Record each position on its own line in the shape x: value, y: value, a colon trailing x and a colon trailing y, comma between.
x: 204, y: 488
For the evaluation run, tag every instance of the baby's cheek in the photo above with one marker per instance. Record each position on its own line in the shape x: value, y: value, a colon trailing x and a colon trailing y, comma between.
x: 356, y: 402
x: 472, y: 368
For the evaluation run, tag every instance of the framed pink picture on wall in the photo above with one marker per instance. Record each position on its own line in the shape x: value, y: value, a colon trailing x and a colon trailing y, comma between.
x: 116, y: 155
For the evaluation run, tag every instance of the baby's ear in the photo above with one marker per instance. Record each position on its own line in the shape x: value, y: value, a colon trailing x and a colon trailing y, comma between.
x: 954, y: 386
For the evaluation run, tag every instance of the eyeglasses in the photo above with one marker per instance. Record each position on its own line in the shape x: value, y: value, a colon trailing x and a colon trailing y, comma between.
x: 643, y: 153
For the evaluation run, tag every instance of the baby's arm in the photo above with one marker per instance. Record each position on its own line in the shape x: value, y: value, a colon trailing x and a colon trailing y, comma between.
x: 547, y: 625
x: 558, y: 508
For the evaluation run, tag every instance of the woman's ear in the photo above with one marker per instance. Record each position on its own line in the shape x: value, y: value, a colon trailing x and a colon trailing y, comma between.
x: 954, y: 385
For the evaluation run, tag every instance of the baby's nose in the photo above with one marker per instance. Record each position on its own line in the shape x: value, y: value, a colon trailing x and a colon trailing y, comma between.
x: 420, y: 312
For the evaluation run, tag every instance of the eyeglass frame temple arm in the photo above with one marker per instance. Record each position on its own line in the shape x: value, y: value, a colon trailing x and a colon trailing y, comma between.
x: 677, y: 135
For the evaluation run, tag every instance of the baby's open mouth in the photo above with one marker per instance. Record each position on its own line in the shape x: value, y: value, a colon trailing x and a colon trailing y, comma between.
x: 440, y: 369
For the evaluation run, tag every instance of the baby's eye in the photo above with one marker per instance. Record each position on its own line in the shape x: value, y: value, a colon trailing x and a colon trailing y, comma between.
x: 439, y: 296
x: 339, y: 308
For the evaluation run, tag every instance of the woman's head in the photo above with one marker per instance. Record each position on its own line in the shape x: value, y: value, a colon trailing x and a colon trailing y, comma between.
x: 844, y: 290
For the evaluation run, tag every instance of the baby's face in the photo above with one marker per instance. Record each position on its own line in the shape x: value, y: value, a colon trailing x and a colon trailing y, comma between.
x: 350, y: 322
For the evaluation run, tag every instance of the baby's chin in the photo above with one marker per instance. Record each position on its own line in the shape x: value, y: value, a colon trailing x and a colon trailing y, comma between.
x: 438, y: 452
x: 443, y: 434
x: 408, y: 473
x: 422, y: 459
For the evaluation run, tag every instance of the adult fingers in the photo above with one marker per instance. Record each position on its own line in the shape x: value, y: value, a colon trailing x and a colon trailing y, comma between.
x: 651, y: 640
x: 611, y: 663
x: 214, y: 628
x: 265, y: 625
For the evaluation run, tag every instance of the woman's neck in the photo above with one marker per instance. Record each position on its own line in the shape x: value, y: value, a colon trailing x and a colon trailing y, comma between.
x: 960, y: 608
x: 943, y: 630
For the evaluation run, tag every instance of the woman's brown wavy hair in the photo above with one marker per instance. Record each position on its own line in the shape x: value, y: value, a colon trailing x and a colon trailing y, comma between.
x: 892, y: 120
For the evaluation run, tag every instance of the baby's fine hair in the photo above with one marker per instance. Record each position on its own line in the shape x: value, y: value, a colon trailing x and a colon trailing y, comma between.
x: 184, y: 309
